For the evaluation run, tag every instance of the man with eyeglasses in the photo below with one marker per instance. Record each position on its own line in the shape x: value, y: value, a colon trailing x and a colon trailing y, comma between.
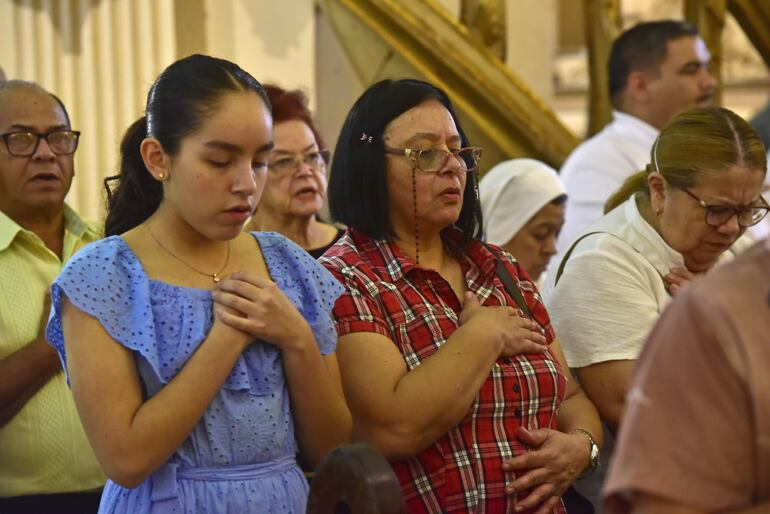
x: 46, y: 462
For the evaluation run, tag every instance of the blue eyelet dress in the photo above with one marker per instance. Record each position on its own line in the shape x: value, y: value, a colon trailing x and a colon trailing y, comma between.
x: 240, y: 457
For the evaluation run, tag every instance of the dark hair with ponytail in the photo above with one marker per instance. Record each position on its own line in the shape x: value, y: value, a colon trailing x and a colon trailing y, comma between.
x: 180, y: 100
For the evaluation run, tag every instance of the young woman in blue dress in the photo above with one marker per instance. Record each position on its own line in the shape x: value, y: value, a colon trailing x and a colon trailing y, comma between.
x: 201, y: 358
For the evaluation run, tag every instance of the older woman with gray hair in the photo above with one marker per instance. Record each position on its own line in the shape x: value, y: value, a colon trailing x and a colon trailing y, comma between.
x: 523, y: 203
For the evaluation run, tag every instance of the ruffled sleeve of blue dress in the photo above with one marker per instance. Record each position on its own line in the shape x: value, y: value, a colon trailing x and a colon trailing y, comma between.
x: 165, y: 323
x: 310, y: 286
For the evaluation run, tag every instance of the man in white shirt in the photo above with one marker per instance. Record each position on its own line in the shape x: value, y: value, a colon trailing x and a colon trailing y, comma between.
x: 656, y: 70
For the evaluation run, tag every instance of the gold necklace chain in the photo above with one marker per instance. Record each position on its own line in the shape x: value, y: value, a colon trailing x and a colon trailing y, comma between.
x: 214, y: 276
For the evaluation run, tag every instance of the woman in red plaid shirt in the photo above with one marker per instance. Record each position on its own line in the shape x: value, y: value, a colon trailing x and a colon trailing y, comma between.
x: 469, y: 398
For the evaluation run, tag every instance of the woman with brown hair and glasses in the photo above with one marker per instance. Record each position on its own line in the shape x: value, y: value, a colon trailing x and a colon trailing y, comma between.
x: 668, y: 224
x: 455, y: 376
x: 295, y: 190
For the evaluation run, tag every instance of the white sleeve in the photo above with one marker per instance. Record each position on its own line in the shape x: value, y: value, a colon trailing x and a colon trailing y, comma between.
x: 605, y: 302
x: 594, y: 171
x: 589, y: 183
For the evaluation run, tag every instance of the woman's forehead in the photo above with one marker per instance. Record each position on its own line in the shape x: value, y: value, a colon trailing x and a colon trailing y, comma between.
x: 426, y: 120
x: 292, y: 133
x: 735, y: 184
x: 240, y: 119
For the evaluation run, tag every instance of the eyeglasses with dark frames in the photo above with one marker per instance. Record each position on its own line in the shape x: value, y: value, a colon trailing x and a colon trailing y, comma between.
x: 717, y: 215
x: 435, y: 159
x: 24, y: 143
x: 288, y: 164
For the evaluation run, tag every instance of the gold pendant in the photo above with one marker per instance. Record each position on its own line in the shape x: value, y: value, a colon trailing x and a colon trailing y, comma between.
x: 215, y: 277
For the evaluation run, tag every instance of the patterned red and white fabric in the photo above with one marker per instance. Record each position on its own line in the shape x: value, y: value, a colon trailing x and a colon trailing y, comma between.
x: 387, y: 293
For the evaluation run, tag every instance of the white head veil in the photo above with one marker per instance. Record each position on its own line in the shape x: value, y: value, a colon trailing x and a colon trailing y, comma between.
x: 514, y: 191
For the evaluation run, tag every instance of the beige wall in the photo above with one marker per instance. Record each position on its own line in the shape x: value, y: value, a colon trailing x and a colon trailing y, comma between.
x: 272, y: 40
x: 337, y: 85
x: 532, y: 40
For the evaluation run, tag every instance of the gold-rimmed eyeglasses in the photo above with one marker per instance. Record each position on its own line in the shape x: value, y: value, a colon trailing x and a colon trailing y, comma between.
x: 717, y: 215
x: 435, y: 159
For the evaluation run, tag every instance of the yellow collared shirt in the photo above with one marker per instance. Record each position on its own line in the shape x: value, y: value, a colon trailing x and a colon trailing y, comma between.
x: 43, y: 449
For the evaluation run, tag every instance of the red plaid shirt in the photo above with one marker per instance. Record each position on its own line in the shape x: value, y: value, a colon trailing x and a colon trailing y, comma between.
x: 417, y: 309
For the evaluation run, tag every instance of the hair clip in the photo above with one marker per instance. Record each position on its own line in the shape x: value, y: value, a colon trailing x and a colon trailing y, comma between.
x: 366, y: 138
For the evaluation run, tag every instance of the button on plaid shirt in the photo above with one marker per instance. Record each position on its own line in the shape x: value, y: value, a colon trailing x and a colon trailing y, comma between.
x: 388, y: 294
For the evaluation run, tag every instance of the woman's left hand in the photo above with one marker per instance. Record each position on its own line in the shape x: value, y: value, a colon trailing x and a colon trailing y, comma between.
x: 554, y: 461
x: 257, y: 305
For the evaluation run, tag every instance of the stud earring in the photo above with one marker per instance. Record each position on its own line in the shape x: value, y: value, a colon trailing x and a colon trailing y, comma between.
x: 161, y: 175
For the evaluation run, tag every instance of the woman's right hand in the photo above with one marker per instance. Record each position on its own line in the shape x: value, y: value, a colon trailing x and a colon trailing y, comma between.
x: 677, y: 278
x: 257, y: 306
x: 517, y: 334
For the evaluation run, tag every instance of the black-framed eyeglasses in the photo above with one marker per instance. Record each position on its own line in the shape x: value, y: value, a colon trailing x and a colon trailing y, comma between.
x: 717, y: 215
x: 24, y: 143
x: 287, y: 164
x: 435, y: 159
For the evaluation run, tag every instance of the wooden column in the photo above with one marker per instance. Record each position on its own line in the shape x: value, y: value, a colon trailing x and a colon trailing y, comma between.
x: 754, y: 18
x: 485, y: 20
x: 709, y: 17
x: 602, y: 20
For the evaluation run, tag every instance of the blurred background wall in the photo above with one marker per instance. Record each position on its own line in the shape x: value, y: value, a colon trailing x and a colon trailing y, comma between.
x: 100, y: 57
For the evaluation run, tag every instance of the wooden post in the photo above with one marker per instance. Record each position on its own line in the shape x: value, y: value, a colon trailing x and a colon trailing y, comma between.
x: 754, y: 18
x: 709, y: 17
x: 355, y: 478
x: 485, y: 20
x: 602, y: 25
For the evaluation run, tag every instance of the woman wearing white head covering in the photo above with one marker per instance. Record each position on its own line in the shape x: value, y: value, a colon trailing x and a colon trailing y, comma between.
x: 523, y: 202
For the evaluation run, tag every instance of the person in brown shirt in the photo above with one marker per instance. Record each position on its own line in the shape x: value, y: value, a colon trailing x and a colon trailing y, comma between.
x: 695, y: 437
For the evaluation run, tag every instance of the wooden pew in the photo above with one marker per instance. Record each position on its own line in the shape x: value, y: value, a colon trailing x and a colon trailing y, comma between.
x: 355, y: 479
